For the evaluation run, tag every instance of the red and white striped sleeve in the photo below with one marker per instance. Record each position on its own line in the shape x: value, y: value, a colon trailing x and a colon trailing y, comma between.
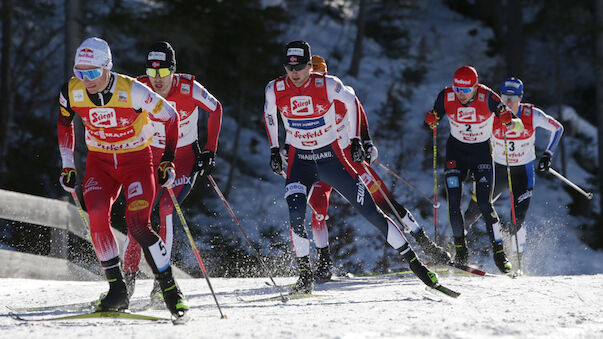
x: 209, y: 103
x: 270, y: 115
x: 337, y: 91
x: 65, y: 129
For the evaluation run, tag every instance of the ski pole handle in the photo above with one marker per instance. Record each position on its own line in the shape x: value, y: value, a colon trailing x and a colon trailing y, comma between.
x: 588, y: 195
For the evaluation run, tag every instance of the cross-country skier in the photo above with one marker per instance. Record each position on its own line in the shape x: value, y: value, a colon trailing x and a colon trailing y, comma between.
x: 306, y: 103
x: 471, y: 108
x: 521, y: 155
x: 187, y: 96
x: 115, y: 110
x: 321, y: 191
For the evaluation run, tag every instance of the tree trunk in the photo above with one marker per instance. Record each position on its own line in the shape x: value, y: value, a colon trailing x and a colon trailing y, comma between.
x: 355, y: 65
x: 73, y: 38
x: 6, y: 94
x: 235, y: 149
x: 599, y: 91
x: 514, y: 37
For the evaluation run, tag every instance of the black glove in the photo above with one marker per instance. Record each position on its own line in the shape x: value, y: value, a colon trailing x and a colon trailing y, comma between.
x: 68, y: 178
x: 370, y: 151
x: 357, y: 150
x: 166, y: 173
x: 544, y: 163
x: 206, y: 162
x: 276, y: 162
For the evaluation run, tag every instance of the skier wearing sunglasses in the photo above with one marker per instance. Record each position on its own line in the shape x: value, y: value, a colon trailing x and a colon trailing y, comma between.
x: 191, y: 100
x: 115, y: 110
x: 471, y: 108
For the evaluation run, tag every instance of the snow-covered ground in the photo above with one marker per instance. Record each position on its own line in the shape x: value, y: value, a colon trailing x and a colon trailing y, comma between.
x: 362, y: 307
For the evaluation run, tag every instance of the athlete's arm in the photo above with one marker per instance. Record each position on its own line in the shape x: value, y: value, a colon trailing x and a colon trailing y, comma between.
x: 337, y: 91
x: 438, y: 105
x: 365, y: 133
x: 208, y: 102
x: 65, y: 128
x: 547, y: 122
x: 497, y: 107
x: 143, y: 98
x: 270, y: 115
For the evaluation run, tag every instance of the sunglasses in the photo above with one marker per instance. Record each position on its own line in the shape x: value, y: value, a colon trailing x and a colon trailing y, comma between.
x: 507, y: 97
x: 297, y: 67
x: 464, y: 90
x: 91, y: 74
x: 163, y: 72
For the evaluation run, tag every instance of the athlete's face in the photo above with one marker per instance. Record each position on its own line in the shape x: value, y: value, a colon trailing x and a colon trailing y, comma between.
x: 162, y: 85
x: 96, y: 85
x: 466, y: 97
x: 512, y: 102
x: 298, y: 77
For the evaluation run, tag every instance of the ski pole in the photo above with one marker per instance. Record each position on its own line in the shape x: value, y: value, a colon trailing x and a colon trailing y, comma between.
x: 78, y: 205
x: 234, y: 217
x: 80, y: 210
x: 435, y: 184
x: 190, y: 239
x: 588, y: 195
x: 511, y: 197
x: 435, y: 205
x: 396, y: 214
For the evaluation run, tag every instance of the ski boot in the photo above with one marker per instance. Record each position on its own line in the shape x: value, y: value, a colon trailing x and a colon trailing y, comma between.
x: 305, y: 282
x: 173, y: 297
x: 156, y: 295
x: 324, y: 266
x: 427, y: 277
x: 462, y: 253
x: 130, y: 281
x: 435, y: 252
x: 500, y: 259
x: 117, y: 297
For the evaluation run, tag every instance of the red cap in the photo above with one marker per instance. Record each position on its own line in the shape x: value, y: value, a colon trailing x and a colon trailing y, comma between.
x: 465, y: 76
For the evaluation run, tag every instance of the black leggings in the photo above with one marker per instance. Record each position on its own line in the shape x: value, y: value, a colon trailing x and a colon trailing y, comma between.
x: 463, y: 159
x: 522, y: 180
x: 306, y: 167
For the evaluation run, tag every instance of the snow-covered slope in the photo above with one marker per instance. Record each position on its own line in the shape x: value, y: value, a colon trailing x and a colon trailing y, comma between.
x: 369, y: 307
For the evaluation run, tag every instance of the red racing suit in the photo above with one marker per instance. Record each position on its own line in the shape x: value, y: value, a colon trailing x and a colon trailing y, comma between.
x: 118, y: 137
x: 186, y: 96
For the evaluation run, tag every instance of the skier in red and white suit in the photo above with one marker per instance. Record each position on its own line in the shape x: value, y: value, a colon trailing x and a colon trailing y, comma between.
x: 115, y: 111
x: 521, y: 155
x: 306, y: 103
x: 471, y: 108
x: 321, y: 191
x: 187, y: 96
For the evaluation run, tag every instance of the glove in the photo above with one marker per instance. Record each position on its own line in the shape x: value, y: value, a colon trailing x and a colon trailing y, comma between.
x: 276, y: 162
x: 206, y: 162
x: 167, y: 174
x: 544, y: 163
x: 67, y: 179
x: 506, y: 117
x: 357, y: 150
x: 285, y: 153
x: 431, y: 119
x: 371, y: 152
